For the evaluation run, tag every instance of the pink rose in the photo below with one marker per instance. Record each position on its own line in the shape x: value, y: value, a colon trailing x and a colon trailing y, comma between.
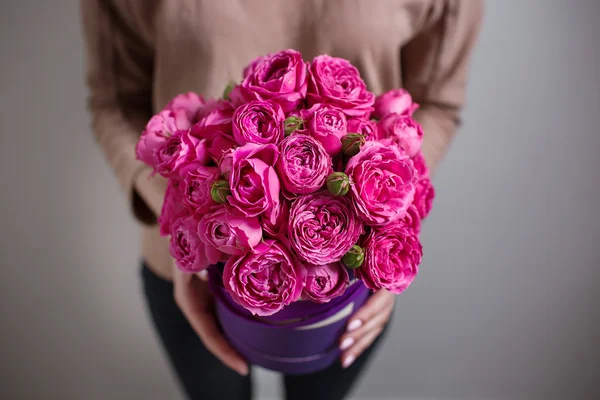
x: 191, y: 103
x: 216, y: 129
x: 328, y: 125
x: 180, y: 148
x: 252, y: 178
x: 303, y: 164
x: 323, y: 227
x: 396, y: 101
x: 412, y: 219
x: 424, y: 195
x: 402, y: 130
x: 265, y: 281
x: 196, y: 184
x: 223, y: 231
x: 325, y: 282
x: 172, y: 207
x: 392, y: 258
x: 337, y: 82
x: 156, y: 134
x: 259, y: 122
x: 274, y: 221
x: 421, y: 165
x: 279, y: 77
x: 384, y: 180
x: 186, y: 247
x: 364, y: 127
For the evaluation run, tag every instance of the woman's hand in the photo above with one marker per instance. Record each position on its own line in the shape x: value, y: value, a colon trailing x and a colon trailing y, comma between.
x: 365, y: 325
x: 193, y: 297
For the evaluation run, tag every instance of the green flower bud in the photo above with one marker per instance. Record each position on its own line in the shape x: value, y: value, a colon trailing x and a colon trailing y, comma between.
x: 351, y: 143
x: 354, y: 258
x: 338, y: 183
x: 219, y: 191
x: 292, y: 124
x: 228, y: 90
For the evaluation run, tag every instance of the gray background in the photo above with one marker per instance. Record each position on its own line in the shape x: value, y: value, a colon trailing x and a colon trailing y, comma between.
x: 505, y: 307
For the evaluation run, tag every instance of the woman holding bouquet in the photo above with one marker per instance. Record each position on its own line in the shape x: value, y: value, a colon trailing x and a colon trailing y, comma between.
x: 141, y: 54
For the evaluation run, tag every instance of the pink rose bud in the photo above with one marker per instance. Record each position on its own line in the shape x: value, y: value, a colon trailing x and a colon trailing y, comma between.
x: 402, y: 130
x: 219, y: 191
x: 397, y: 101
x: 354, y: 257
x: 292, y: 124
x: 228, y: 89
x: 351, y: 144
x: 324, y: 282
x: 338, y: 184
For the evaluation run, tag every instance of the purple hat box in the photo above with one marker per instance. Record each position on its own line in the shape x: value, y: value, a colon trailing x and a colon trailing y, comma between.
x: 300, y: 339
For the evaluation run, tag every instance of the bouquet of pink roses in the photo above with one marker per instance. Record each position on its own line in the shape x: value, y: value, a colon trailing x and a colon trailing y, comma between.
x: 295, y: 177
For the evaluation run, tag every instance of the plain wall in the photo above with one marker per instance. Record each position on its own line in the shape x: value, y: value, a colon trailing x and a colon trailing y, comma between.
x: 506, y: 304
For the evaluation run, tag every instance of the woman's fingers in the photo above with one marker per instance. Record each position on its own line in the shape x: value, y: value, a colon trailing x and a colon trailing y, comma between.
x: 350, y: 338
x: 376, y: 303
x: 350, y: 355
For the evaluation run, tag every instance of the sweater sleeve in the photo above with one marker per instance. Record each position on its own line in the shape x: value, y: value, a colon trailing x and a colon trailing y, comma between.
x: 434, y: 70
x: 119, y: 79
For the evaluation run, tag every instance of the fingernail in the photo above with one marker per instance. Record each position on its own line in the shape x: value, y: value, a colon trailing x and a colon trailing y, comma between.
x: 348, y: 361
x: 346, y: 343
x: 243, y: 371
x: 354, y: 325
x: 203, y: 275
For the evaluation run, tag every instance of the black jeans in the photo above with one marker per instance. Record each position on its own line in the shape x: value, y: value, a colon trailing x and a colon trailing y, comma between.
x: 204, y: 377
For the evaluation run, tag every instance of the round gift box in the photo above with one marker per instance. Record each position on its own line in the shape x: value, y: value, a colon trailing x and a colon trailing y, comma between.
x: 300, y: 339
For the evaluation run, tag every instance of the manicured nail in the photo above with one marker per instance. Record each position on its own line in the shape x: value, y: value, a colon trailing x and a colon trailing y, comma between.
x: 354, y: 325
x: 203, y: 275
x: 243, y: 371
x: 346, y: 343
x: 348, y: 361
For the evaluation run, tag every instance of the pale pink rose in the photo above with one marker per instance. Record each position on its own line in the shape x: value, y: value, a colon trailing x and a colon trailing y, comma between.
x: 265, y: 281
x: 324, y: 282
x: 303, y: 164
x: 328, y: 125
x: 225, y: 232
x: 259, y: 122
x: 412, y: 219
x: 383, y: 182
x: 191, y: 103
x: 172, y: 207
x: 274, y: 221
x: 279, y: 77
x: 424, y: 195
x: 252, y: 178
x: 186, y: 247
x: 392, y: 258
x: 363, y: 126
x: 323, y: 227
x: 156, y: 134
x: 336, y: 82
x: 196, y: 181
x: 402, y: 130
x: 396, y: 101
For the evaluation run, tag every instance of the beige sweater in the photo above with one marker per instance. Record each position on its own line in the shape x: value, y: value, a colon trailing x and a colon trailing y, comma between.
x: 141, y: 53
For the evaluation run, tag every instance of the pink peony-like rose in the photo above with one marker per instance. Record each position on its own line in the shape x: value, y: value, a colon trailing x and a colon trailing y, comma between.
x: 259, y: 122
x: 412, y: 219
x: 421, y: 165
x: 424, y: 195
x: 224, y: 231
x: 172, y: 207
x: 216, y: 129
x: 156, y: 134
x: 383, y: 182
x: 364, y: 127
x: 191, y: 103
x: 279, y: 77
x: 402, y: 130
x: 337, y: 82
x: 303, y: 164
x: 179, y: 149
x: 196, y: 183
x: 186, y: 247
x: 324, y: 282
x: 323, y: 227
x: 274, y: 221
x: 265, y: 281
x: 396, y: 101
x: 328, y: 125
x: 252, y: 178
x: 392, y: 258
